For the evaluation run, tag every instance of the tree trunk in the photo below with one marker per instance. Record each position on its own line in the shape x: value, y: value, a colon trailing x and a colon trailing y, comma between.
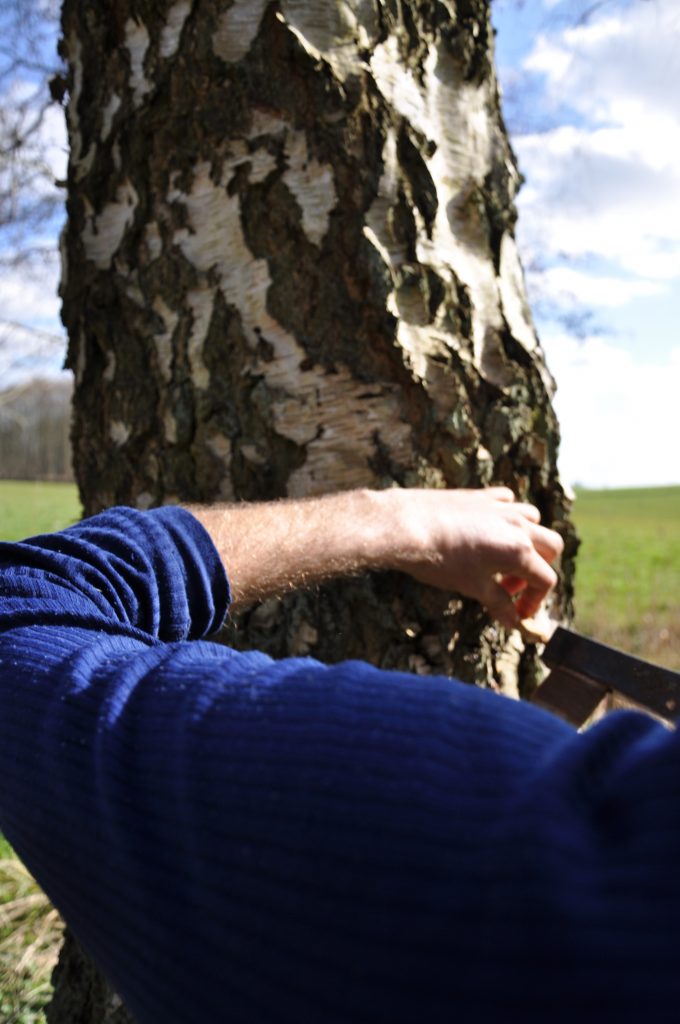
x: 291, y: 269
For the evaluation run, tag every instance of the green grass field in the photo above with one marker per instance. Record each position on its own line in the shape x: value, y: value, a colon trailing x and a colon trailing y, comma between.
x: 28, y: 507
x: 628, y: 570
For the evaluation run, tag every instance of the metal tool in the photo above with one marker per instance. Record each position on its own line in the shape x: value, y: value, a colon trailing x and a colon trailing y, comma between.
x: 584, y: 673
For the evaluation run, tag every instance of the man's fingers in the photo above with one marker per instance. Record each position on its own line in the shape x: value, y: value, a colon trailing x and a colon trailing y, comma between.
x: 493, y: 548
x: 512, y: 584
x: 531, y: 578
x: 499, y: 603
x: 547, y: 542
x: 529, y: 512
x: 529, y: 602
x: 499, y: 493
x: 524, y: 562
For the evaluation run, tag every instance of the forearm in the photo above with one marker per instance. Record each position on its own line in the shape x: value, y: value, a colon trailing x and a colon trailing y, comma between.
x: 478, y: 543
x: 274, y: 547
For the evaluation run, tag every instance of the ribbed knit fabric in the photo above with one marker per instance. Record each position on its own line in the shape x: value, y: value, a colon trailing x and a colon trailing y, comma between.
x: 239, y: 840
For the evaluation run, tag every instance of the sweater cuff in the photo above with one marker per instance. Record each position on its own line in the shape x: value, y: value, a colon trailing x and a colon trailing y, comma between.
x: 204, y: 592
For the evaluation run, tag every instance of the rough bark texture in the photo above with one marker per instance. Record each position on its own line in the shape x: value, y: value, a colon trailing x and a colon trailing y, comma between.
x: 291, y: 269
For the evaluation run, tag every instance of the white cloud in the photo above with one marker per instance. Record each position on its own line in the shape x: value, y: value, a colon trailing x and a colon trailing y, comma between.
x: 620, y: 418
x: 605, y: 180
x: 566, y: 285
x: 32, y: 339
x: 30, y: 297
x: 627, y: 51
x: 590, y: 193
x: 26, y: 353
x: 54, y: 141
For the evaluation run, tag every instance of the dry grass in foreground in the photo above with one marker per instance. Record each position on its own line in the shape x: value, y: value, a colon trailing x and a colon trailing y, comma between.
x: 30, y: 937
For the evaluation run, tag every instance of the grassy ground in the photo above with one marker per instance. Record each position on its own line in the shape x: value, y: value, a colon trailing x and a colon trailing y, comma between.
x: 30, y: 936
x: 628, y: 594
x: 28, y: 507
x: 628, y: 570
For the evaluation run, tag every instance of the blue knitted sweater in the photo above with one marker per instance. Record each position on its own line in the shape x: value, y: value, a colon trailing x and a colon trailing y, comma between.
x: 236, y: 839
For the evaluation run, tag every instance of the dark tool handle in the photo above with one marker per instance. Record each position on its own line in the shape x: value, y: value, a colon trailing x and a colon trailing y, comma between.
x: 570, y: 696
x: 584, y: 671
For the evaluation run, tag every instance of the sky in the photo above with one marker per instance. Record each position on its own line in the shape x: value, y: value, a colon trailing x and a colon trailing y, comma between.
x: 591, y: 96
x: 591, y: 91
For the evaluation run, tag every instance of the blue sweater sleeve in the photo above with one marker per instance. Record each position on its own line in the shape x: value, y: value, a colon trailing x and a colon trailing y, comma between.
x: 239, y: 839
x: 157, y: 572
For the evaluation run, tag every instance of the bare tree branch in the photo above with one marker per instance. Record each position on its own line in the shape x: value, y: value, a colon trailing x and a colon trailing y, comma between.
x: 29, y: 193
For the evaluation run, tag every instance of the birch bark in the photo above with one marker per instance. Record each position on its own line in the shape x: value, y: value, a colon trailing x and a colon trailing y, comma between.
x: 289, y: 268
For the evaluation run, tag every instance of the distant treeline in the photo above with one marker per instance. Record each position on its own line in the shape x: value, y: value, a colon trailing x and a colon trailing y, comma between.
x: 35, y: 423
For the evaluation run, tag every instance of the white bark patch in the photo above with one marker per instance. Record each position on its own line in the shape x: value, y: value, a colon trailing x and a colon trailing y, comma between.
x: 136, y: 44
x: 220, y: 446
x: 383, y: 252
x: 163, y: 339
x: 421, y: 342
x: 416, y: 342
x: 108, y: 114
x: 313, y: 186
x: 110, y: 369
x: 260, y: 161
x: 133, y: 291
x: 201, y: 303
x: 119, y: 432
x: 80, y: 163
x: 378, y: 230
x: 216, y: 241
x: 347, y: 417
x: 172, y: 29
x: 492, y: 362
x: 145, y: 500
x: 334, y: 31
x: 515, y: 306
x: 333, y: 415
x: 237, y: 29
x: 165, y: 356
x: 262, y: 164
x: 507, y: 665
x: 264, y: 122
x: 252, y: 454
x: 398, y: 85
x: 424, y: 347
x: 104, y: 232
x: 84, y: 165
x: 303, y: 639
x: 153, y: 241
x: 454, y: 116
x: 169, y: 427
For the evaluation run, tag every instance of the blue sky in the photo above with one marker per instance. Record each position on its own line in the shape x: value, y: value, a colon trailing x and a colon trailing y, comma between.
x: 592, y: 105
x: 591, y: 101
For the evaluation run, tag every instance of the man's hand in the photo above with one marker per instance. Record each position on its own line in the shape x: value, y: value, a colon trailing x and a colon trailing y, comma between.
x: 481, y: 544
